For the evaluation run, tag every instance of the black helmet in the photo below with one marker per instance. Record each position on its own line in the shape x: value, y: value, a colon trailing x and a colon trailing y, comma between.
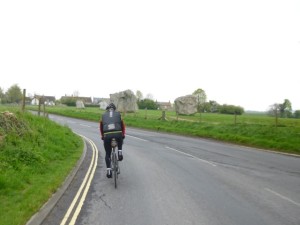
x: 111, y: 106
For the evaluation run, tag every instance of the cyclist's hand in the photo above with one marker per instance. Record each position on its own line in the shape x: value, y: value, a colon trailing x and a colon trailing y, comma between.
x: 102, y: 138
x: 123, y: 137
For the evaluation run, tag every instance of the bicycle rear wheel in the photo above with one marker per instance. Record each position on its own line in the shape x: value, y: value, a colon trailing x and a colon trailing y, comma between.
x: 115, y: 168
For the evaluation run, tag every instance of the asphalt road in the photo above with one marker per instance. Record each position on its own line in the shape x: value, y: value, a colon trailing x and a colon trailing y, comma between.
x: 170, y: 179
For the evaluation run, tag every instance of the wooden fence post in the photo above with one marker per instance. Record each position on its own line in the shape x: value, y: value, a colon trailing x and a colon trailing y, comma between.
x: 23, y: 100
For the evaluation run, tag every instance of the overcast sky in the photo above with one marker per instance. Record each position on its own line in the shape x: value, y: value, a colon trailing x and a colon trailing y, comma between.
x: 240, y: 52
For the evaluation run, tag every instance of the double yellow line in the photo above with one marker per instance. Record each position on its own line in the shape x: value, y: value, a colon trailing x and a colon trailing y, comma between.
x: 83, y: 190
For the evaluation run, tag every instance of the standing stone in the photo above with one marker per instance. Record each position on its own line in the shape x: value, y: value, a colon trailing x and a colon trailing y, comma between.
x: 79, y: 104
x: 125, y: 101
x: 186, y: 105
x: 103, y: 105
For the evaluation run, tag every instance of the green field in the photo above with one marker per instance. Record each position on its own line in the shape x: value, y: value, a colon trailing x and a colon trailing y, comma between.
x: 256, y: 130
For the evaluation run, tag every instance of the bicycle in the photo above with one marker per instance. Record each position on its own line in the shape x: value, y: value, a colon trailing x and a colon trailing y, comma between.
x: 114, y: 161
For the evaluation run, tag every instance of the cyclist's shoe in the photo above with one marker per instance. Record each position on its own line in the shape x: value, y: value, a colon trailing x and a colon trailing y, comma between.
x: 108, y: 173
x: 120, y: 155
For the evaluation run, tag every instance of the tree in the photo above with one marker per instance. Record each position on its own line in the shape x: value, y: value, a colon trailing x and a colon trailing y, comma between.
x: 201, y: 99
x: 211, y: 106
x: 286, y: 108
x: 139, y: 95
x: 14, y: 94
x: 2, y: 95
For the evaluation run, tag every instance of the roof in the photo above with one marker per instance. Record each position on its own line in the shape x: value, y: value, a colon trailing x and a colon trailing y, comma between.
x: 46, y: 98
x: 98, y: 100
x: 164, y: 105
x: 86, y: 100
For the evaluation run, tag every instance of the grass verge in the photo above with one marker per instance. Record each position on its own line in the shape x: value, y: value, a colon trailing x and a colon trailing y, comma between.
x: 36, y: 155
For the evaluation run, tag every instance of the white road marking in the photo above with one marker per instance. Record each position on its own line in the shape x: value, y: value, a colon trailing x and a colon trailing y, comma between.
x: 136, y: 138
x: 84, y: 125
x: 283, y: 197
x: 173, y: 149
x: 85, y: 185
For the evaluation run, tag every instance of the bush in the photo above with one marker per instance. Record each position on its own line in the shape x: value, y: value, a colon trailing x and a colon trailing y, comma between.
x: 231, y: 109
x: 69, y: 101
x: 297, y: 114
x: 147, y: 104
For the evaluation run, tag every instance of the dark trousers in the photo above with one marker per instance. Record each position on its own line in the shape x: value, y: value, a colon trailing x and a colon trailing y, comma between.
x: 107, y: 145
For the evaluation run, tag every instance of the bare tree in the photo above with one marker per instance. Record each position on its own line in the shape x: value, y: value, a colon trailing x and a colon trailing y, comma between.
x: 149, y: 96
x: 139, y: 95
x: 274, y: 111
x: 76, y: 93
x: 201, y: 99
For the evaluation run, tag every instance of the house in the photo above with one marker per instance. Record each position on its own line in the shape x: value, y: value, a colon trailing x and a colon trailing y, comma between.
x: 96, y: 100
x: 69, y: 99
x: 164, y: 105
x: 47, y: 100
x: 85, y: 100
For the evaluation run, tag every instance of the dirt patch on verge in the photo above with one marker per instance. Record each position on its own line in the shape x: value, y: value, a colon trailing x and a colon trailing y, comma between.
x: 10, y: 123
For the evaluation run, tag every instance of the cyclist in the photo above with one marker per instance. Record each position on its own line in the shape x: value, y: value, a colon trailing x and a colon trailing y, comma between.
x: 112, y: 126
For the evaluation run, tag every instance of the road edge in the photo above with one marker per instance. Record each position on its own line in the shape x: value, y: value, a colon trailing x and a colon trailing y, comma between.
x: 43, y: 212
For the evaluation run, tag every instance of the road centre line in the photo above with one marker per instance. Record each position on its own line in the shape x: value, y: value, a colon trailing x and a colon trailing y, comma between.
x: 283, y: 197
x: 136, y: 138
x: 202, y: 160
x: 84, y: 125
x: 86, y: 183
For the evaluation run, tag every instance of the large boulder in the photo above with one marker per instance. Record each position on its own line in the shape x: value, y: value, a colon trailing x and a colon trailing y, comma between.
x: 125, y: 101
x: 186, y: 105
